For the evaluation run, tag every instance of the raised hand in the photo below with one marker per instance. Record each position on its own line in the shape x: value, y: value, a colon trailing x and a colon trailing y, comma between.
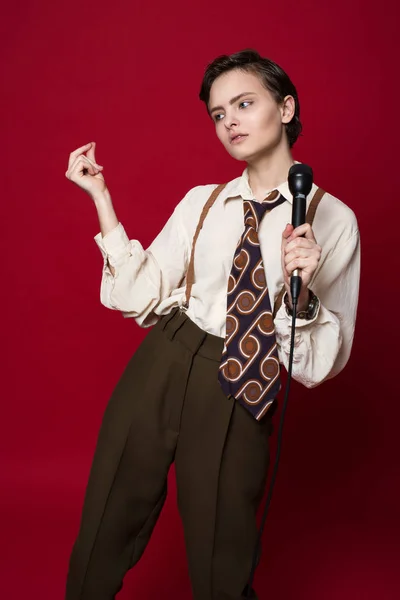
x: 84, y: 171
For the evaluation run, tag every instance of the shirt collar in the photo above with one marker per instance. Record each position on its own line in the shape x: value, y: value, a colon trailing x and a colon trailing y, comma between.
x: 241, y: 187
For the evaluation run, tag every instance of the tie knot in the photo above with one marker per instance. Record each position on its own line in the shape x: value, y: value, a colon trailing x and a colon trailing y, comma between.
x: 254, y: 211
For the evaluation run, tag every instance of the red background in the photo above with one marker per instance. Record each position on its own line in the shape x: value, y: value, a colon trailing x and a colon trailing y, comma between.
x: 127, y: 76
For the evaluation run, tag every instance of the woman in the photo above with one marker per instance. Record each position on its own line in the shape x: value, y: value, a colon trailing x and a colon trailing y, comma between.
x: 176, y: 400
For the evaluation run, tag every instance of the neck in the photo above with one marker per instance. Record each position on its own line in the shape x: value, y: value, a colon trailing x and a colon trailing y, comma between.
x: 268, y: 171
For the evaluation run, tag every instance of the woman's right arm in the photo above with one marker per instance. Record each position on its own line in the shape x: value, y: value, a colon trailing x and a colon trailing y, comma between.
x: 106, y: 214
x: 134, y: 280
x: 84, y: 171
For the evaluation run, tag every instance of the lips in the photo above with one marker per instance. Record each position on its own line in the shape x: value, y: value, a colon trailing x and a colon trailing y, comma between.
x: 237, y: 137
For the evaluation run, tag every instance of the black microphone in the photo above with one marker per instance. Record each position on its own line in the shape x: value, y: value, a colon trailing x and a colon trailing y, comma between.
x: 300, y: 181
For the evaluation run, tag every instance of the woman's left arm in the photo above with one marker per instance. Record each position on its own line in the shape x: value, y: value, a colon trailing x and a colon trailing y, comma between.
x: 323, y: 343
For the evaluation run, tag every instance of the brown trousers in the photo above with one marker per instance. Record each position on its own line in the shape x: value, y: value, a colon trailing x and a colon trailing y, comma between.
x: 168, y: 406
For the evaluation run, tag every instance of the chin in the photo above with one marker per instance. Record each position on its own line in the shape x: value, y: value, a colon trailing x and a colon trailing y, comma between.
x: 259, y: 154
x: 245, y: 155
x: 241, y: 153
x: 251, y: 154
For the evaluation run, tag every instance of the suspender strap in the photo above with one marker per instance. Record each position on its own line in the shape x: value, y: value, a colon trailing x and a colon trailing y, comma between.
x: 206, y: 208
x: 312, y: 209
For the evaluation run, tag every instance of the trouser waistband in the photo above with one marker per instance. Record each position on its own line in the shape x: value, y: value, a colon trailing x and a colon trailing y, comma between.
x: 177, y: 325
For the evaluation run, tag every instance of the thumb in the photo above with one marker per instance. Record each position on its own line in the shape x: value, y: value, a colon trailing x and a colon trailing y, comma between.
x: 287, y: 231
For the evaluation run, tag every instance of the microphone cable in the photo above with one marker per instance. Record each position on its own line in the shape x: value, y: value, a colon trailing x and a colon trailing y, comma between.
x: 300, y: 180
x: 295, y: 286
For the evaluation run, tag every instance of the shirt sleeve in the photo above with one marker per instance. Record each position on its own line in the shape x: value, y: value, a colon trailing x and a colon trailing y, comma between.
x: 322, y: 345
x: 143, y: 278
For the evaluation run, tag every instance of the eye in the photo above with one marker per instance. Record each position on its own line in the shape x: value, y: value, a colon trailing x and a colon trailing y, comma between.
x: 245, y: 102
x: 218, y: 117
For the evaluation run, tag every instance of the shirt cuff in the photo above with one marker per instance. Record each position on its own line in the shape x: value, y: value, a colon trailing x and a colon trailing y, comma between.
x: 114, y: 245
x: 299, y: 322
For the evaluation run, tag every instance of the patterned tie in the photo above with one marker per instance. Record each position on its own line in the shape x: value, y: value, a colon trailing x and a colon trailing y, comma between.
x: 249, y: 369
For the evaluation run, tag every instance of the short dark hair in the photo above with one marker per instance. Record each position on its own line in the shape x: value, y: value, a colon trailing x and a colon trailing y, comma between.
x: 272, y: 76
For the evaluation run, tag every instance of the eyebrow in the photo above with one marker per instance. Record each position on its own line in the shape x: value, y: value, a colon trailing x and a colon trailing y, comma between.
x: 231, y: 101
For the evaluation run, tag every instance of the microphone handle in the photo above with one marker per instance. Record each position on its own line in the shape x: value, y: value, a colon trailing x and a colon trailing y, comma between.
x: 299, y: 210
x: 298, y: 218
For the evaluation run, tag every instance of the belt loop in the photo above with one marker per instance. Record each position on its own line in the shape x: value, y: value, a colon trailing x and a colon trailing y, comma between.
x: 175, y: 327
x: 167, y: 318
x: 176, y: 321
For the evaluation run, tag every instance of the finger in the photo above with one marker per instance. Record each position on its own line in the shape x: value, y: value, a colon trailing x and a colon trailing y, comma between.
x: 300, y: 242
x: 90, y: 153
x: 287, y: 231
x: 91, y: 162
x: 306, y: 264
x: 82, y: 163
x: 77, y: 152
x: 305, y: 230
x: 297, y: 253
x: 290, y: 268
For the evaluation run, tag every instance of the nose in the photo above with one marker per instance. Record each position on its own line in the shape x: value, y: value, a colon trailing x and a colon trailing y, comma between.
x: 231, y: 121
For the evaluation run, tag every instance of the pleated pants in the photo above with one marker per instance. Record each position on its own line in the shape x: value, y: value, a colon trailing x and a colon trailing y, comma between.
x: 169, y: 407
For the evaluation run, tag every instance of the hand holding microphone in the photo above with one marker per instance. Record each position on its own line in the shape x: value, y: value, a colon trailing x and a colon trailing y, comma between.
x: 300, y: 251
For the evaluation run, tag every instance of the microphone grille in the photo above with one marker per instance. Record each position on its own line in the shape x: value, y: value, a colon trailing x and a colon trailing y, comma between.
x: 300, y: 169
x: 300, y: 179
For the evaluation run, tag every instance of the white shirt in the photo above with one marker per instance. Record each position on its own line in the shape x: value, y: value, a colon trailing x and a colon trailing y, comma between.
x: 150, y: 283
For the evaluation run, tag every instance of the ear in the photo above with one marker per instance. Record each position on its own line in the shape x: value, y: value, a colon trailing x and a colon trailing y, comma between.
x: 287, y: 109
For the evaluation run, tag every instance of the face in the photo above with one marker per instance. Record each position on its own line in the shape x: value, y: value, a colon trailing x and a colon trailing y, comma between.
x: 248, y: 120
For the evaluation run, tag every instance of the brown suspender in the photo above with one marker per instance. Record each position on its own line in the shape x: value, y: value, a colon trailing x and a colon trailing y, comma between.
x: 206, y: 208
x: 190, y: 272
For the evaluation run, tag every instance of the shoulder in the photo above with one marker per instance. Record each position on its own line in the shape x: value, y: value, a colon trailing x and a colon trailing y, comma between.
x: 198, y: 195
x: 333, y: 214
x: 192, y: 204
